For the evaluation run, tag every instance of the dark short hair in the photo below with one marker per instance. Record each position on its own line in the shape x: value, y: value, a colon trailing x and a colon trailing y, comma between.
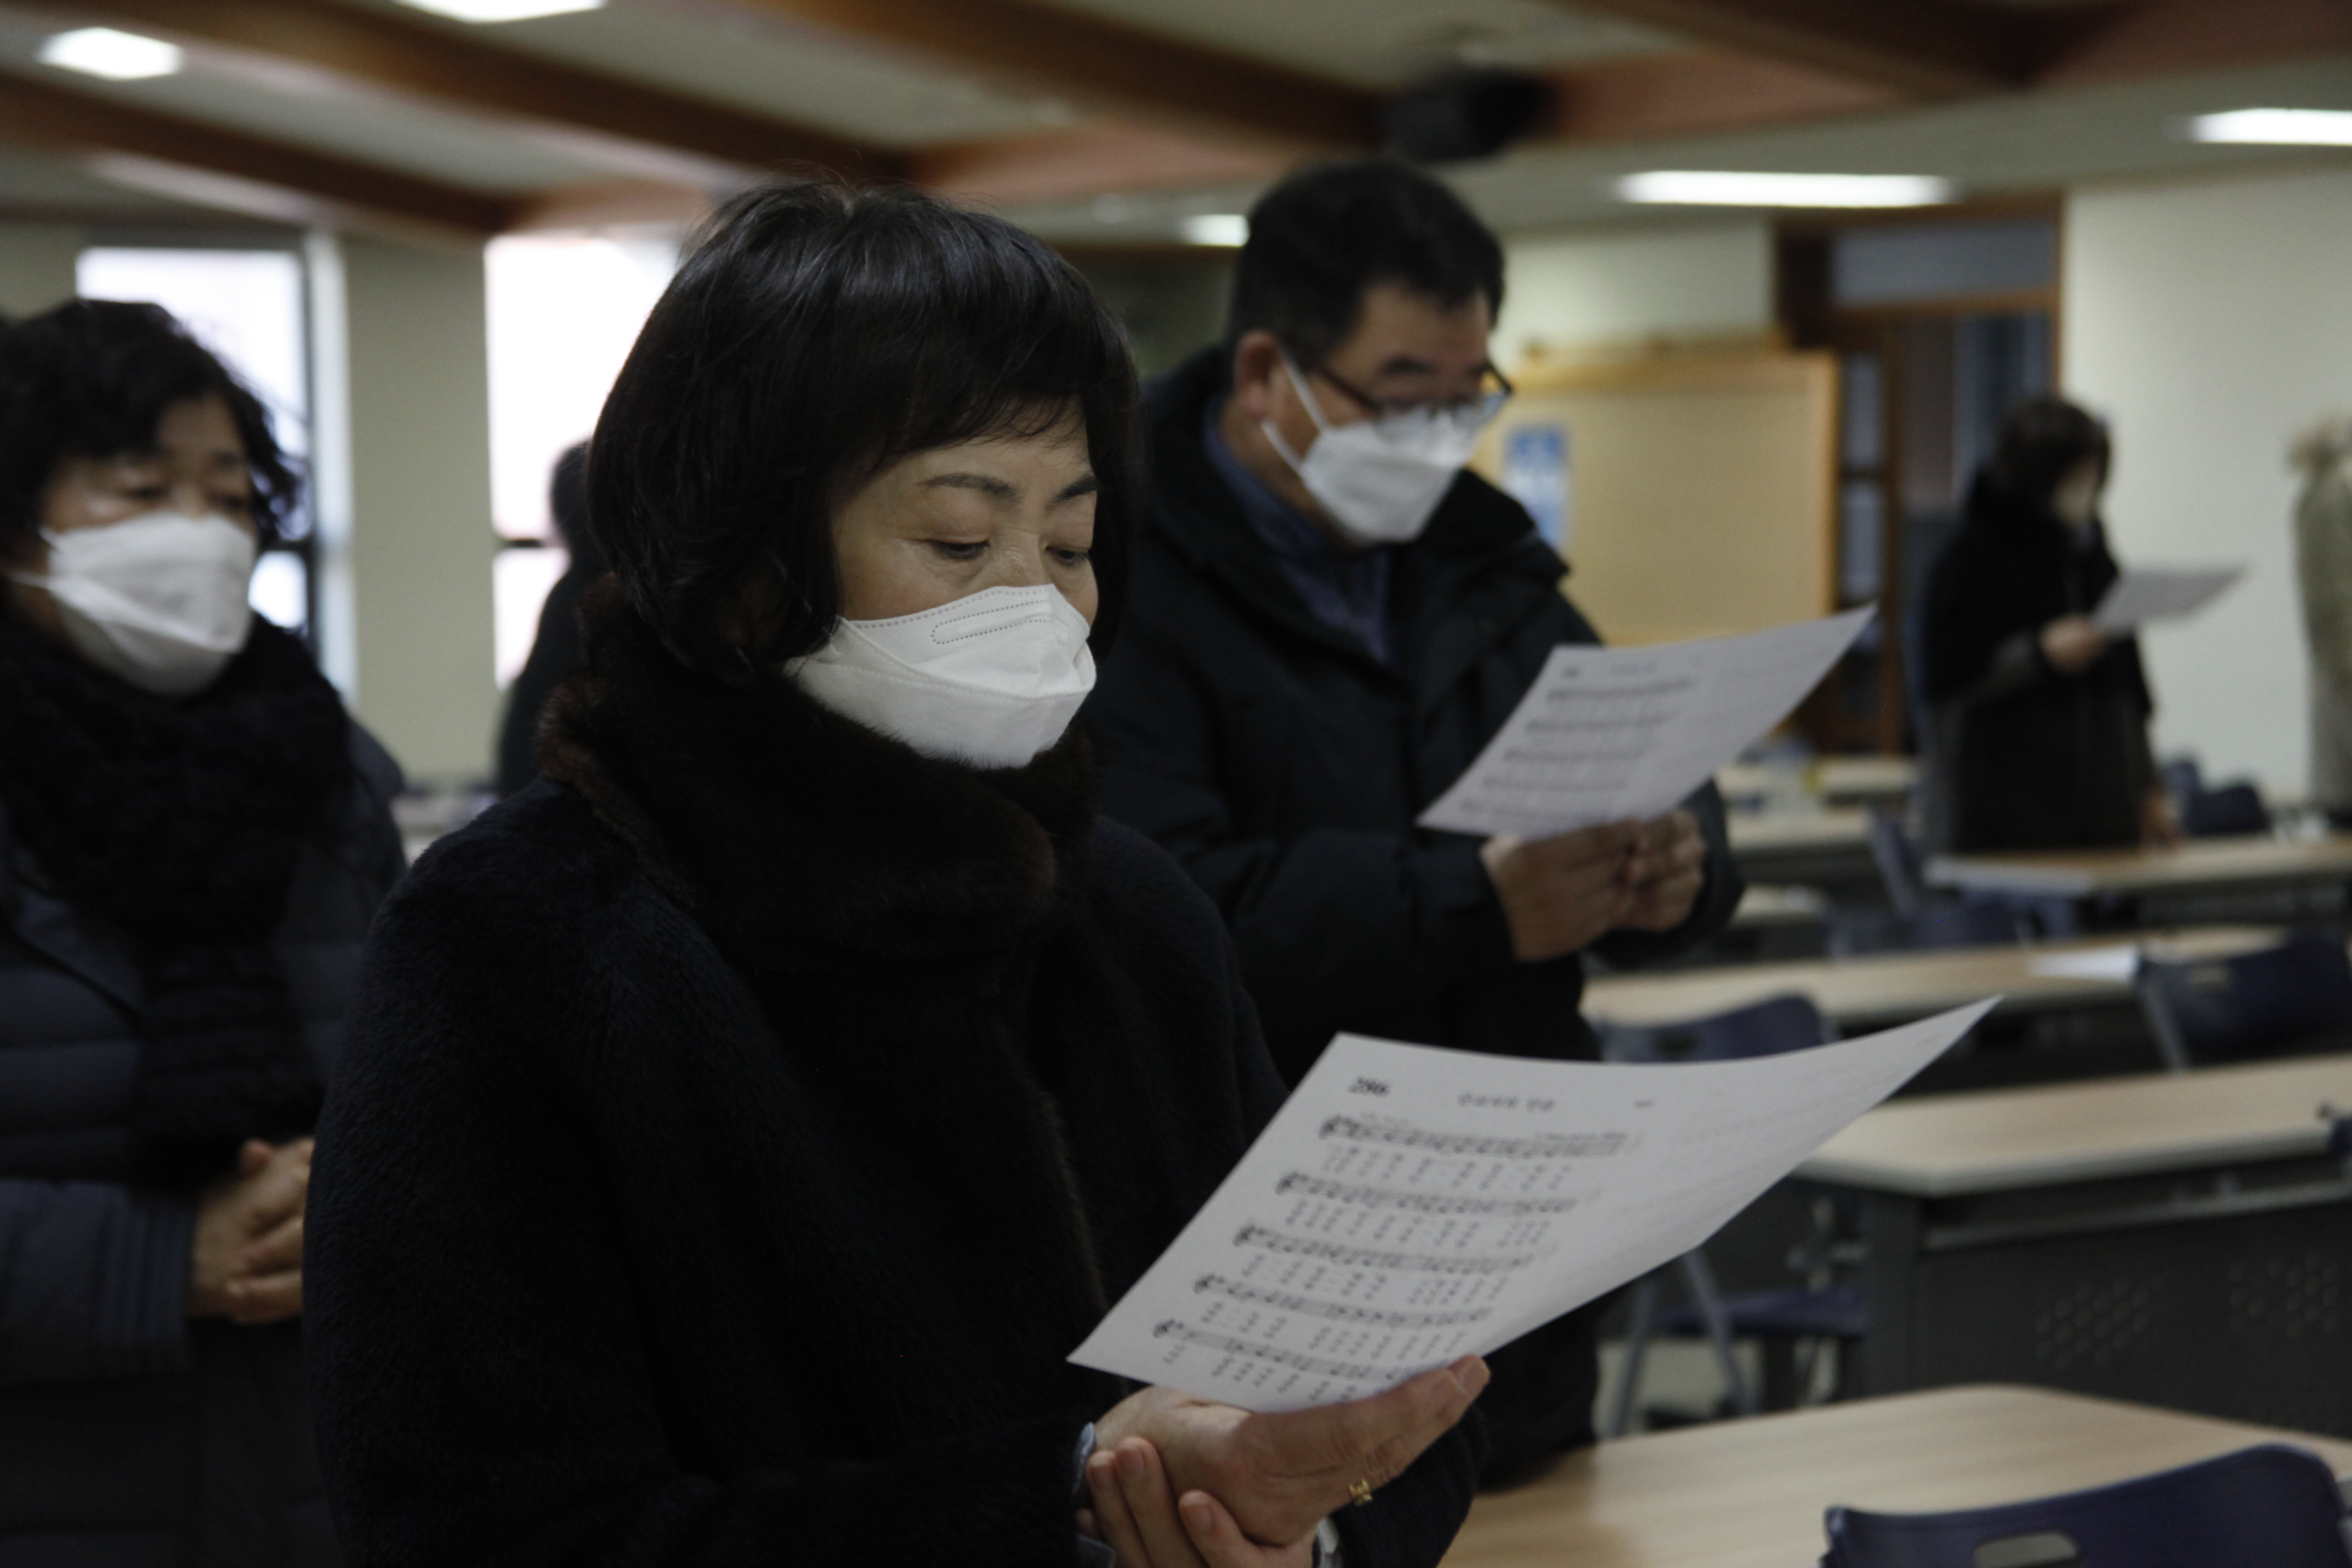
x: 1327, y: 234
x: 816, y: 332
x: 92, y: 378
x: 2042, y: 439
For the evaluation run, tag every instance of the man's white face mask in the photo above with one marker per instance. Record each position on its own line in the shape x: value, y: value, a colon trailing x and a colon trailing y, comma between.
x: 1380, y: 482
x: 990, y: 679
x: 158, y: 600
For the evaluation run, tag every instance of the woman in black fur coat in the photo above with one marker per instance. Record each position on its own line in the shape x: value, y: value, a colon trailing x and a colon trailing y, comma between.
x: 2037, y: 718
x: 192, y: 839
x: 742, y: 1125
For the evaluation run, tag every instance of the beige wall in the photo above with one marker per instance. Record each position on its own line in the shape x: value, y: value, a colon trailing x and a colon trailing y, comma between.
x: 37, y: 266
x: 1701, y: 280
x: 2210, y: 320
x: 419, y: 536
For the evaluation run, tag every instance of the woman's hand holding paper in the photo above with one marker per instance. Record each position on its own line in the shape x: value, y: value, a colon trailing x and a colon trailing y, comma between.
x: 1279, y: 1476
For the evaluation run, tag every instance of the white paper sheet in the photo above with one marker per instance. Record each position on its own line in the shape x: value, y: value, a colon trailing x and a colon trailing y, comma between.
x: 2147, y: 594
x: 1408, y: 1206
x: 1607, y: 733
x: 2118, y: 962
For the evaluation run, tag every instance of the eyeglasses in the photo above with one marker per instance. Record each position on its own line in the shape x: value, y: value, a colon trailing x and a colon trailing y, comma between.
x: 1496, y: 391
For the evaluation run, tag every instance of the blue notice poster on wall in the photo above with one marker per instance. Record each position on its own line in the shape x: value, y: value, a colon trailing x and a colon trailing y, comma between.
x: 1535, y: 474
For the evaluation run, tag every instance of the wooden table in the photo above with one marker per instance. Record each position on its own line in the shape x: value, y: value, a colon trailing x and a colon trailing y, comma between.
x: 1769, y: 906
x: 1891, y: 988
x: 1826, y: 849
x: 1836, y: 779
x: 2003, y: 1139
x: 2203, y: 865
x: 1750, y: 1494
x: 2182, y: 1239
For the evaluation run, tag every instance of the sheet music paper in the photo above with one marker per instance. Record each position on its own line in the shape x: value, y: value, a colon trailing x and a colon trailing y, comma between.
x: 1607, y: 733
x: 1408, y: 1205
x: 2147, y: 594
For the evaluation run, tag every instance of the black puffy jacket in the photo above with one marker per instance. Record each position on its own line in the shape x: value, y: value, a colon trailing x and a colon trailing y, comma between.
x: 130, y: 1437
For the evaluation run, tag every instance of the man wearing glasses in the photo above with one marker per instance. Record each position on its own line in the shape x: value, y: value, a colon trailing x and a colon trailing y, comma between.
x: 1331, y: 616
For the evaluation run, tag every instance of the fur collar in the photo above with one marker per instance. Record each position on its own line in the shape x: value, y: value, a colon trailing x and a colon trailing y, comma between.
x: 801, y: 839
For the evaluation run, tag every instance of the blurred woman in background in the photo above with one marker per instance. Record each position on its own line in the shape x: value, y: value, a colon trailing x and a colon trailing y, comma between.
x: 192, y: 839
x: 2037, y: 718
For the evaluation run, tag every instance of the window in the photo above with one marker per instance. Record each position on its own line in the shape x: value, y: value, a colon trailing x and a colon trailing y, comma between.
x: 563, y: 311
x: 247, y: 306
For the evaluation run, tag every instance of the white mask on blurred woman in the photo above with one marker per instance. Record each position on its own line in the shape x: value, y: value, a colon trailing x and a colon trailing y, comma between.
x: 158, y: 600
x: 991, y: 680
x: 2076, y: 500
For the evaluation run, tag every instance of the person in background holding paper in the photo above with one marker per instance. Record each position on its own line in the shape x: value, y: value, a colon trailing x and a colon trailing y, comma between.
x: 1332, y: 618
x: 2323, y: 561
x: 2037, y: 718
x: 742, y: 1124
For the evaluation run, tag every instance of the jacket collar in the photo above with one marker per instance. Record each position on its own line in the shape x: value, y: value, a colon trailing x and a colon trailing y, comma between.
x: 801, y: 839
x: 51, y: 927
x: 1478, y: 569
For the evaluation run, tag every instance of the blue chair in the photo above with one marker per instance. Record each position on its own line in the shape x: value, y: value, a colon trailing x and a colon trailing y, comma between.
x: 2182, y: 778
x: 1853, y: 932
x: 2267, y: 1507
x: 2229, y: 810
x: 2279, y: 1001
x: 1901, y: 866
x: 1763, y: 1029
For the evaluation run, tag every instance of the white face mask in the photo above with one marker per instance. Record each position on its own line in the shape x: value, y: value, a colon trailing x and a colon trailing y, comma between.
x: 2075, y: 500
x: 158, y: 600
x: 992, y: 678
x: 1380, y: 482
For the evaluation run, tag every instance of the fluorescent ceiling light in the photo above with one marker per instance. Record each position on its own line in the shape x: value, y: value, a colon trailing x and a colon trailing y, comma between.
x: 2276, y: 127
x: 503, y: 10
x: 118, y: 56
x: 1215, y: 228
x: 1690, y: 187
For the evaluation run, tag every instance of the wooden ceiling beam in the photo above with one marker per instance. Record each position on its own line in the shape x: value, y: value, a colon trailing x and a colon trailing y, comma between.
x: 1119, y: 70
x: 2157, y: 37
x: 433, y: 61
x: 1694, y: 92
x: 40, y: 115
x: 1931, y: 48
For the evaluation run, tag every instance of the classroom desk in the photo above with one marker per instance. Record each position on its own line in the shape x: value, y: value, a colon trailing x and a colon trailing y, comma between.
x: 2199, y: 865
x: 1769, y: 906
x: 1846, y: 780
x: 1856, y: 994
x: 2183, y: 1239
x: 1827, y: 848
x: 1750, y: 1494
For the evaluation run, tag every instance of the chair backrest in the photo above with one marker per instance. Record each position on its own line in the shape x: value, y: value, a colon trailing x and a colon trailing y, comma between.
x: 2272, y: 1506
x: 2228, y: 809
x: 2276, y: 1002
x: 2182, y: 777
x: 1900, y: 865
x: 1766, y: 1028
x: 1936, y: 925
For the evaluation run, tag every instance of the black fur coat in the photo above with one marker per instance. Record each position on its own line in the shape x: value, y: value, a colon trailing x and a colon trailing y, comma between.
x: 734, y: 1139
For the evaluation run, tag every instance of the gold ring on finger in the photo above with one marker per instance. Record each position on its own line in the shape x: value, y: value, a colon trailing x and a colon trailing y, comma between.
x: 1360, y: 1490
